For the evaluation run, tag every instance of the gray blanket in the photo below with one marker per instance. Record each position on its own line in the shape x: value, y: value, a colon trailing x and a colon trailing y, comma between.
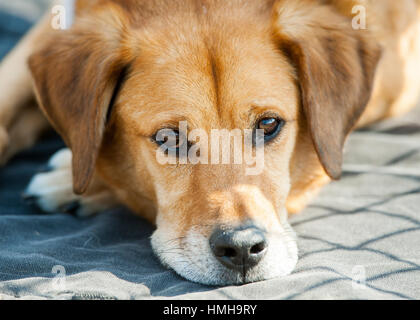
x: 360, y: 239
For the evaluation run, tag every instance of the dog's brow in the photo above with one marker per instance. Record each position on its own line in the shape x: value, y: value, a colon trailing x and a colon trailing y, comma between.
x: 265, y: 102
x: 266, y: 105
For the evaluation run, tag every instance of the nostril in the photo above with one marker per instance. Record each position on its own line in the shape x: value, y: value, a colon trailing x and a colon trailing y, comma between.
x: 230, y: 253
x: 258, y: 248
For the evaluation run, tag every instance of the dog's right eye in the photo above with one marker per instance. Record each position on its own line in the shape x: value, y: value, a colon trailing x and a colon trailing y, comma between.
x: 271, y: 126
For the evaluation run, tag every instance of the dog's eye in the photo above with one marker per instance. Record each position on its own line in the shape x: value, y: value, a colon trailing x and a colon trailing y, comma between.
x: 171, y: 139
x: 271, y: 127
x: 168, y: 137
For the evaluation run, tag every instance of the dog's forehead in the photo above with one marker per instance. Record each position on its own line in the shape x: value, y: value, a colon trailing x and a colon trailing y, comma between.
x: 198, y: 71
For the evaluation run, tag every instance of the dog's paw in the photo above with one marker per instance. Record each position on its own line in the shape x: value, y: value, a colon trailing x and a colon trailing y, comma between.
x: 52, y: 190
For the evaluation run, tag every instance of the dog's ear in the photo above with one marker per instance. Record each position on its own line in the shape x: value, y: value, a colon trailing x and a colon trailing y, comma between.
x: 76, y: 75
x: 335, y: 68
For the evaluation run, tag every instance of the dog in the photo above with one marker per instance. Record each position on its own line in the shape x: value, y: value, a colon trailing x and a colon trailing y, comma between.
x: 297, y: 70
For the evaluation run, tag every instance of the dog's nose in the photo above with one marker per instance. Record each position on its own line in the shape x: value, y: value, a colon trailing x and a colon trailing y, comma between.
x: 239, y: 249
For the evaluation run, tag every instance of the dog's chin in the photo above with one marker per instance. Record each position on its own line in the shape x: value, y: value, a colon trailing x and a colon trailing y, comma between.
x: 191, y: 257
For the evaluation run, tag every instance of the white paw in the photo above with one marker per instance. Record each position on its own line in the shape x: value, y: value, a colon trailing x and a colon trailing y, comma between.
x: 52, y: 191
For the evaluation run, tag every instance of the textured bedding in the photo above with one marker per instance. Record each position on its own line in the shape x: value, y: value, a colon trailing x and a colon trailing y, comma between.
x: 360, y: 239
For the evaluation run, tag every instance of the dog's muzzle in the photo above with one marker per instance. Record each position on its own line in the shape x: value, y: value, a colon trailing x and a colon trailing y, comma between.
x: 228, y: 254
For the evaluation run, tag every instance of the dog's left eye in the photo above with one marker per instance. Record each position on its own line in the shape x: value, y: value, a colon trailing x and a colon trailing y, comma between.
x: 271, y: 127
x: 171, y: 139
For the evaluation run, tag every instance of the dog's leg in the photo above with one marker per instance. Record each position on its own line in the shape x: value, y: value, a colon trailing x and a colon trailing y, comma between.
x: 16, y: 83
x: 24, y: 131
x: 52, y: 191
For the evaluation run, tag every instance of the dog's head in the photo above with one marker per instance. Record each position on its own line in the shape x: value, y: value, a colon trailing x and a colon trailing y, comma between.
x: 127, y: 70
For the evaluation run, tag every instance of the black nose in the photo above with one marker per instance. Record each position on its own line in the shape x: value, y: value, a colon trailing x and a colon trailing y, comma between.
x: 239, y: 249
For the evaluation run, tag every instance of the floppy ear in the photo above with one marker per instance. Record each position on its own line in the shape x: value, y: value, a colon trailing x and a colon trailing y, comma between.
x: 335, y: 68
x: 76, y: 75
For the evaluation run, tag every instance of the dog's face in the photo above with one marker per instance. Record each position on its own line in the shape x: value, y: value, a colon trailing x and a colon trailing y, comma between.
x: 236, y: 83
x: 126, y: 72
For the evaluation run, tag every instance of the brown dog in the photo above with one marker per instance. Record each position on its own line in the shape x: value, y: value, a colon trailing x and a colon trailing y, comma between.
x: 296, y: 69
